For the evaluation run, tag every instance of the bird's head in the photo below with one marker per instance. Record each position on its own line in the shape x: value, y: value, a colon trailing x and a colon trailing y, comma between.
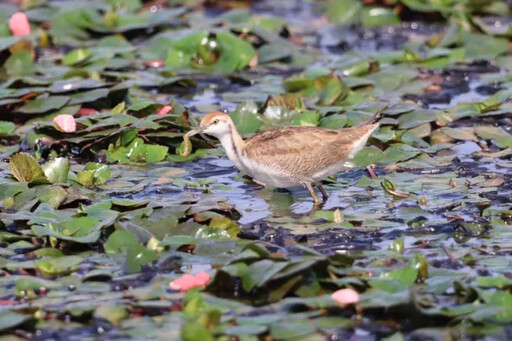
x: 216, y: 124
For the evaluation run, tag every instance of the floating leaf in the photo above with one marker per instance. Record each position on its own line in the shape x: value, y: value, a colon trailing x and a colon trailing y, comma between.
x: 42, y: 105
x: 113, y: 313
x: 25, y: 168
x: 6, y: 128
x: 58, y: 265
x: 77, y: 56
x: 246, y: 118
x: 367, y: 156
x: 20, y: 64
x: 57, y: 170
x: 94, y: 174
x: 10, y: 319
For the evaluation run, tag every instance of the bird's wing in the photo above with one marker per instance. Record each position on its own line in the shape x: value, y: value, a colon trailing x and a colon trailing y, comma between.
x: 301, y: 151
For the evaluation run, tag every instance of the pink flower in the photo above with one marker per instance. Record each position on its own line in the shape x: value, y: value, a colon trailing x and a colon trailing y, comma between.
x: 187, y: 281
x: 65, y: 123
x: 345, y: 296
x: 19, y: 24
x: 85, y: 112
x: 164, y: 110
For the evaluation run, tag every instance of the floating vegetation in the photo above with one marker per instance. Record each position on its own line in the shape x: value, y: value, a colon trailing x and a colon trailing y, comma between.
x: 114, y: 226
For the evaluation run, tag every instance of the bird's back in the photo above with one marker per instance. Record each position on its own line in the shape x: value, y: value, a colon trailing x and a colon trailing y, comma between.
x: 301, y: 152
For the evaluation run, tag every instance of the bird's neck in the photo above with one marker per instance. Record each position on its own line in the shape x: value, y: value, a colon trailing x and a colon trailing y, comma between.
x: 233, y: 143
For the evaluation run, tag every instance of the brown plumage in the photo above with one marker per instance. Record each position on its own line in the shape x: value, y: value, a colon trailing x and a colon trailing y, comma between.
x: 289, y: 156
x: 303, y: 151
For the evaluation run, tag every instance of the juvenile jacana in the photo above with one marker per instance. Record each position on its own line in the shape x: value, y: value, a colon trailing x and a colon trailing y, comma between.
x: 289, y: 156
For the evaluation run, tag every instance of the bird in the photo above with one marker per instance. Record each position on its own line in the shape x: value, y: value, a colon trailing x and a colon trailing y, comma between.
x: 289, y: 156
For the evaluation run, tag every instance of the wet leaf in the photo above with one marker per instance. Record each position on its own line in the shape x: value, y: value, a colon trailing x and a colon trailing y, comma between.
x: 246, y: 118
x: 137, y: 151
x: 227, y: 225
x: 379, y: 16
x: 57, y: 170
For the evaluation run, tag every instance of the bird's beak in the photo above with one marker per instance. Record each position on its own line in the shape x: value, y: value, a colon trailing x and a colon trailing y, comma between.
x: 196, y: 130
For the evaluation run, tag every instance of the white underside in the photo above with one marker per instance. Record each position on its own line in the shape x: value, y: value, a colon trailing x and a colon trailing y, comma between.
x: 268, y: 175
x: 271, y: 176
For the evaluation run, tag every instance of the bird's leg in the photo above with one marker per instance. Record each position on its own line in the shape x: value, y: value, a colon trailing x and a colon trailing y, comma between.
x: 313, y: 194
x: 325, y: 196
x: 371, y: 172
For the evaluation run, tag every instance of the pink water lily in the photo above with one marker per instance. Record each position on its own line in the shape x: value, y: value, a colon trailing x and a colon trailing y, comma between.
x: 19, y: 24
x: 345, y: 296
x: 188, y: 281
x: 164, y: 110
x: 65, y: 123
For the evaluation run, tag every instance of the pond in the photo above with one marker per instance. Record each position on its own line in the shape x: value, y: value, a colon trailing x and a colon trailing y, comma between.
x: 108, y: 231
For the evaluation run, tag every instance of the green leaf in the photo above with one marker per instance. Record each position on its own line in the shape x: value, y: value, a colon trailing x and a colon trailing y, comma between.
x: 19, y: 64
x: 83, y: 229
x: 405, y: 276
x: 333, y: 91
x: 368, y: 156
x: 120, y: 241
x: 58, y: 265
x: 113, y: 313
x: 483, y: 46
x: 42, y: 105
x: 398, y: 153
x: 57, y: 170
x: 25, y: 168
x: 227, y: 225
x: 222, y: 51
x: 333, y: 122
x: 344, y: 12
x: 246, y: 330
x: 153, y: 153
x: 94, y: 174
x: 86, y: 178
x: 137, y: 151
x: 379, y: 16
x: 307, y: 118
x: 52, y: 195
x: 77, y: 56
x: 6, y: 128
x: 10, y: 319
x: 136, y: 257
x: 246, y: 118
x: 290, y: 330
x: 259, y: 272
x: 498, y: 282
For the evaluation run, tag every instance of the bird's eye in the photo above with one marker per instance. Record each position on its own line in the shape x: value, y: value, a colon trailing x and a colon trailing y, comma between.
x: 215, y: 122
